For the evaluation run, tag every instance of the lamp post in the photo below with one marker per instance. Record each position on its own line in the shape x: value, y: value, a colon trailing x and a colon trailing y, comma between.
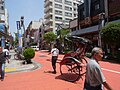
x: 19, y: 36
x: 22, y: 25
x: 100, y: 26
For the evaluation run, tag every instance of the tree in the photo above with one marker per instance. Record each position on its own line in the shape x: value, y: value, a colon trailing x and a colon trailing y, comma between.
x: 63, y: 33
x: 111, y: 35
x: 16, y: 39
x: 61, y: 36
x: 50, y: 37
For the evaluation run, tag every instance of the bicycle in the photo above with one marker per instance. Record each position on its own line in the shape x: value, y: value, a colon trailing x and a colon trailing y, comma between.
x: 18, y: 56
x: 72, y: 68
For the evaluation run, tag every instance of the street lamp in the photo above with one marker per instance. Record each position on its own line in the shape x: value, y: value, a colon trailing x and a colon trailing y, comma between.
x: 100, y: 26
x: 22, y: 25
x: 19, y: 36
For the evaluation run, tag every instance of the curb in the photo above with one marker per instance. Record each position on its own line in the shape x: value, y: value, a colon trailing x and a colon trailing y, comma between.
x: 35, y: 66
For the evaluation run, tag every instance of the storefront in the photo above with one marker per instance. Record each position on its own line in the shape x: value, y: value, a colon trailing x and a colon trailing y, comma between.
x: 90, y: 33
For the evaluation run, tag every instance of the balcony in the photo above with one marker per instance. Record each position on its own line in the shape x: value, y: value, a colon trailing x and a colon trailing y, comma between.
x: 48, y: 15
x: 48, y: 21
x: 47, y: 3
x: 48, y: 28
x: 47, y: 9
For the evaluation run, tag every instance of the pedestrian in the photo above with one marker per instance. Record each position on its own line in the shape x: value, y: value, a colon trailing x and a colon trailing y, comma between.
x: 55, y: 53
x: 3, y: 58
x: 6, y: 50
x: 95, y: 79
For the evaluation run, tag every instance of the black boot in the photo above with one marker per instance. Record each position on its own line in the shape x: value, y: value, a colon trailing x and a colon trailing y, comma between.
x: 54, y: 68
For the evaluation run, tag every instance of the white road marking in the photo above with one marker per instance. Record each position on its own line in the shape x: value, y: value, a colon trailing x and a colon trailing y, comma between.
x: 111, y: 70
x: 104, y: 69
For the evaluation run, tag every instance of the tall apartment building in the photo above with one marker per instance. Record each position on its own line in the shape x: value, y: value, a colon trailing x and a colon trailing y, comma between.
x: 4, y: 34
x: 4, y: 25
x: 2, y: 11
x: 58, y: 12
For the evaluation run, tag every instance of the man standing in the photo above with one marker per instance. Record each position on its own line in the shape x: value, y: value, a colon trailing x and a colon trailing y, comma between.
x: 55, y: 53
x: 3, y: 58
x: 94, y: 77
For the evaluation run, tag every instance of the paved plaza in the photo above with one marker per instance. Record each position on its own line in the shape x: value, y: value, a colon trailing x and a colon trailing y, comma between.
x: 37, y: 76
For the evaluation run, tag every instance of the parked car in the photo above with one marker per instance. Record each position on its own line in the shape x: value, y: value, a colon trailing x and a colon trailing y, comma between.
x: 36, y: 48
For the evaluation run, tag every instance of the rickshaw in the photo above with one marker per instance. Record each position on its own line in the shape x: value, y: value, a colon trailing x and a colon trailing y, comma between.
x: 73, y: 66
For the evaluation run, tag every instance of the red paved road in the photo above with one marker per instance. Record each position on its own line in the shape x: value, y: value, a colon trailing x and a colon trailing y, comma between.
x: 39, y: 80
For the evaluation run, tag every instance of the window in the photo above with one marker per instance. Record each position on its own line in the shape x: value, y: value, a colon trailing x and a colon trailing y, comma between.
x: 75, y: 9
x: 68, y: 8
x: 74, y: 4
x: 60, y: 1
x: 2, y: 7
x: 68, y: 14
x: 58, y: 18
x: 58, y: 6
x: 97, y: 6
x: 67, y: 19
x: 75, y: 15
x: 68, y: 2
x: 58, y: 12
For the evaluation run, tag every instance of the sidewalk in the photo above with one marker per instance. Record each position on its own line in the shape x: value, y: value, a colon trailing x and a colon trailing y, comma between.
x: 17, y: 66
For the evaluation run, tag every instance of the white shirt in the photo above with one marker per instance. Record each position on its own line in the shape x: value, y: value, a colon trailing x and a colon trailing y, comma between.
x: 6, y: 50
x: 55, y: 52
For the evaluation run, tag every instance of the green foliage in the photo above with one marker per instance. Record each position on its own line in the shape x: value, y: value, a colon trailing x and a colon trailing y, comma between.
x: 111, y: 33
x: 50, y: 37
x: 33, y: 44
x: 16, y: 39
x: 63, y: 33
x: 29, y: 53
x: 88, y: 55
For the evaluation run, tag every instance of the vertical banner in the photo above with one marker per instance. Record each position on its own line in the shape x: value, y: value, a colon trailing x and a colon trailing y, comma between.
x: 20, y: 40
x: 18, y: 25
x: 2, y: 28
x: 3, y: 42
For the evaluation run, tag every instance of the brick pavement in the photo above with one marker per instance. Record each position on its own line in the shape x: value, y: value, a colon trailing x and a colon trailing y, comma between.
x: 38, y: 79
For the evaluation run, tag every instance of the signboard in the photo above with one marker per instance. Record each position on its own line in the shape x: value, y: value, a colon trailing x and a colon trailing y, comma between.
x: 2, y: 27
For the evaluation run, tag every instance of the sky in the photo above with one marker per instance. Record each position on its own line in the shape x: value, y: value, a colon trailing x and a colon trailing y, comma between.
x: 32, y: 10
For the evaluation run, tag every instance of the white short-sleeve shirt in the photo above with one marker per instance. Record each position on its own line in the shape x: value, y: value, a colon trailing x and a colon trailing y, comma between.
x: 55, y: 52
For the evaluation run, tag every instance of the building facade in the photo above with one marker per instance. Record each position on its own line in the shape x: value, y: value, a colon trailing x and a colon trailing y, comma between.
x: 34, y: 32
x: 5, y: 35
x: 59, y: 12
x: 93, y: 15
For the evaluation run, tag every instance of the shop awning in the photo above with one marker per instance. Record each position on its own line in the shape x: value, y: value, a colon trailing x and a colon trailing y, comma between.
x: 89, y: 29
